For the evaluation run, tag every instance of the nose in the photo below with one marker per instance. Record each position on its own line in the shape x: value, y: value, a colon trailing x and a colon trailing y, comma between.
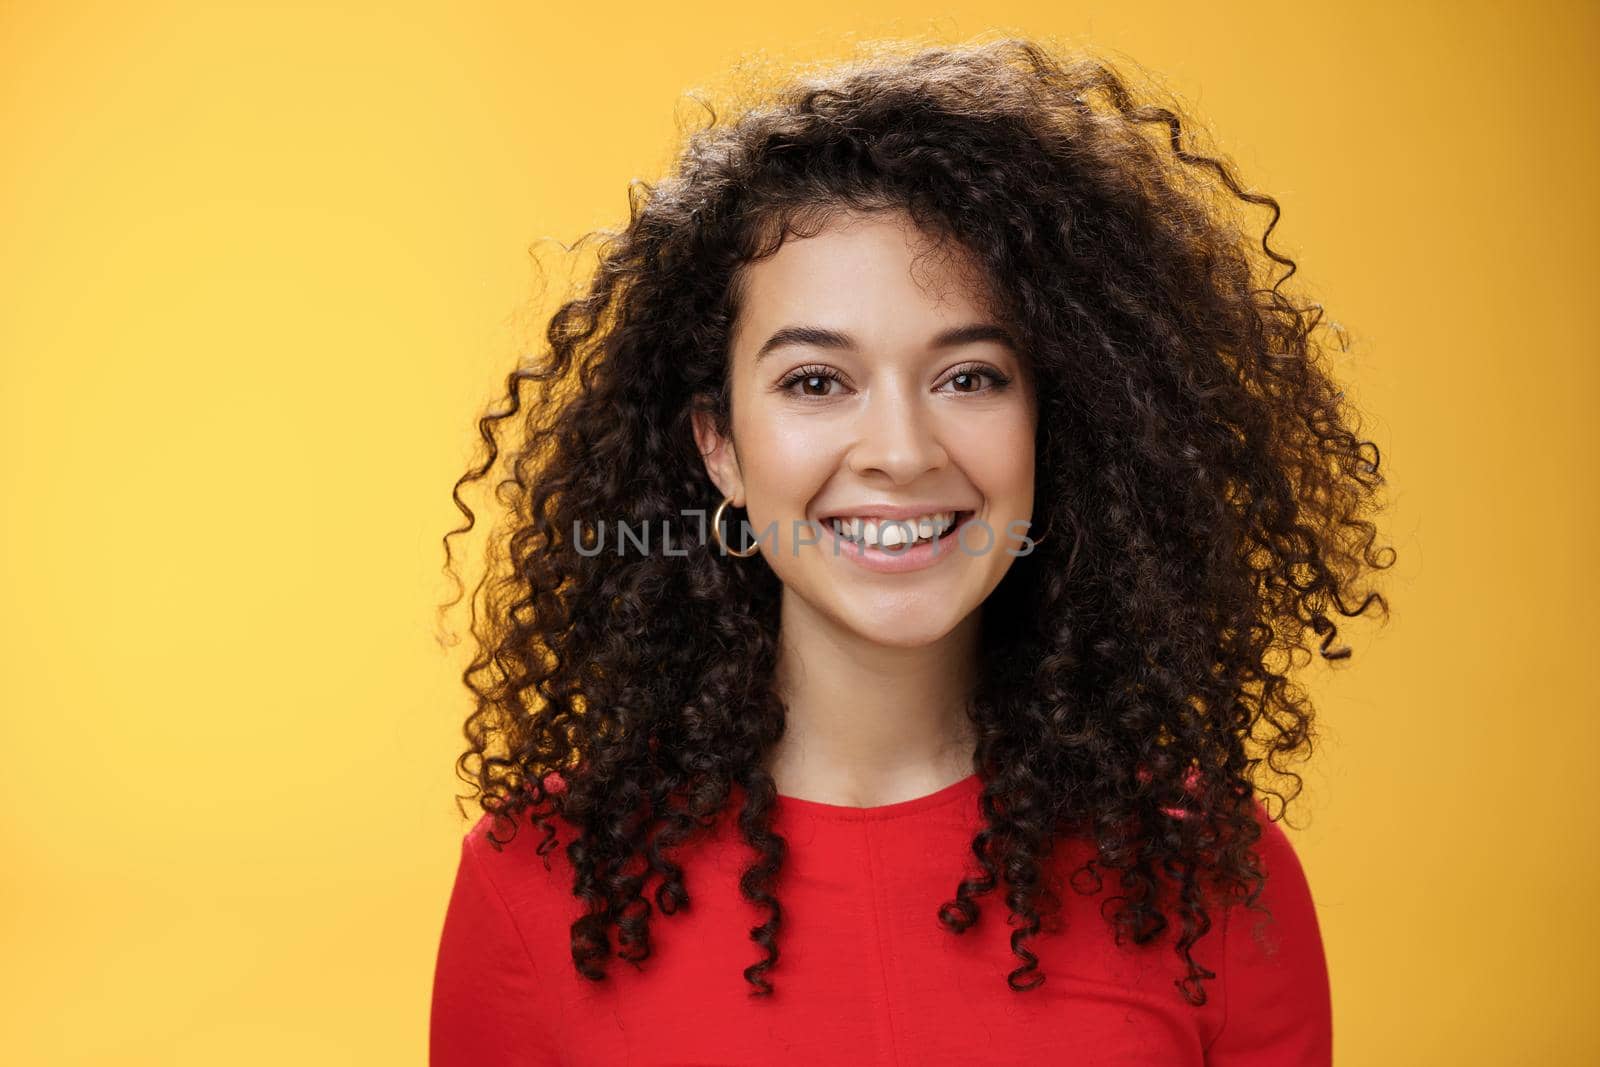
x: 895, y: 436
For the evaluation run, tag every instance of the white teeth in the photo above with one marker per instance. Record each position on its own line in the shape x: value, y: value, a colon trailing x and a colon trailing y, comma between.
x: 891, y: 533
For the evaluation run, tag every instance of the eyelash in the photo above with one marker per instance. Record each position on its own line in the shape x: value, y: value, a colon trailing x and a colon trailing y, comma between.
x: 800, y: 374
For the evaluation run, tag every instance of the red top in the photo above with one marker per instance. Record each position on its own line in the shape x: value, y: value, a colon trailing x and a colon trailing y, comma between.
x: 865, y: 974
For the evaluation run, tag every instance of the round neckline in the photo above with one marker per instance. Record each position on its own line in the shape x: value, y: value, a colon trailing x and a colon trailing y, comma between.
x: 967, y: 787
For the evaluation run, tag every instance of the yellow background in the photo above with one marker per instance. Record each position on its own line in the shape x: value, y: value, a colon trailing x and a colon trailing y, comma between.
x: 259, y: 270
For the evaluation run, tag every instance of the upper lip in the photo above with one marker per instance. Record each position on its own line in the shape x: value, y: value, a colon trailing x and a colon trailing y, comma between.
x: 889, y: 511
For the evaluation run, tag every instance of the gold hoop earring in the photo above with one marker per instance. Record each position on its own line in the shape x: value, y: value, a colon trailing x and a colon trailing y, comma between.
x: 716, y: 531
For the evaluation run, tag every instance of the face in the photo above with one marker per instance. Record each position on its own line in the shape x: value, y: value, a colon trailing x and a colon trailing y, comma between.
x: 868, y: 382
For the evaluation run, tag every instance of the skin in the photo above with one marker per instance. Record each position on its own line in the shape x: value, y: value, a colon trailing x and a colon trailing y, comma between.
x: 875, y: 669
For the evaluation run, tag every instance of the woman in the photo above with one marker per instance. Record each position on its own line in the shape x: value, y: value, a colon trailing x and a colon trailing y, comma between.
x: 1042, y: 478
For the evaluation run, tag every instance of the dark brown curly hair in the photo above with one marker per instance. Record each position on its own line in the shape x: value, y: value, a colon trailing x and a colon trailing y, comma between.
x: 1198, y: 470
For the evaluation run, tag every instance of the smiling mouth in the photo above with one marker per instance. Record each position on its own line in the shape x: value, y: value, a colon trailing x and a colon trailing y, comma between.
x: 960, y: 517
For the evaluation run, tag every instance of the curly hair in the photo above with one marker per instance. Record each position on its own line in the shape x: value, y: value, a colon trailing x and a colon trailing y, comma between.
x: 1201, y: 476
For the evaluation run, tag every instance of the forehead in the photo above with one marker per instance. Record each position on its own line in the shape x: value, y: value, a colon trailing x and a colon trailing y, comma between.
x: 865, y: 272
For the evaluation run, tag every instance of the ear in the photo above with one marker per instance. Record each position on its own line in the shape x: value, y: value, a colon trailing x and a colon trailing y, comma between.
x: 718, y: 454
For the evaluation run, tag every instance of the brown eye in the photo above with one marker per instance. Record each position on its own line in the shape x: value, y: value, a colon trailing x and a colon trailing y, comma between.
x: 967, y: 378
x: 809, y: 379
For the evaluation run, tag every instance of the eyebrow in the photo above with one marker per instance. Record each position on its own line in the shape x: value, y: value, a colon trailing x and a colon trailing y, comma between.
x: 820, y: 337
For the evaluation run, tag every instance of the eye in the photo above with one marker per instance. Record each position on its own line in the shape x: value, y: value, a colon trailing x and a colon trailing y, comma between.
x: 809, y: 376
x: 974, y: 371
x: 814, y: 379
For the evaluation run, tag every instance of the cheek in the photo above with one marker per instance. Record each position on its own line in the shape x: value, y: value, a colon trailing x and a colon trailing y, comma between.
x: 998, y: 455
x: 785, y: 465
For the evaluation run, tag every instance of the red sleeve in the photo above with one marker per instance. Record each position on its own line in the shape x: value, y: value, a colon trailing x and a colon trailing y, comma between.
x: 1277, y: 1006
x: 489, y: 1006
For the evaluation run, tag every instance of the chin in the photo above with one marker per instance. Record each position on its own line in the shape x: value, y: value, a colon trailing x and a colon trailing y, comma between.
x: 928, y: 627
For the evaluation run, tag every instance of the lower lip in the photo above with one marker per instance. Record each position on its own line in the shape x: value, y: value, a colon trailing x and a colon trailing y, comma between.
x: 922, y: 554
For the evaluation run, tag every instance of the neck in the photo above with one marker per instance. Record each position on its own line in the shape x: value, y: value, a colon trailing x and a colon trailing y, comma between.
x: 870, y: 724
